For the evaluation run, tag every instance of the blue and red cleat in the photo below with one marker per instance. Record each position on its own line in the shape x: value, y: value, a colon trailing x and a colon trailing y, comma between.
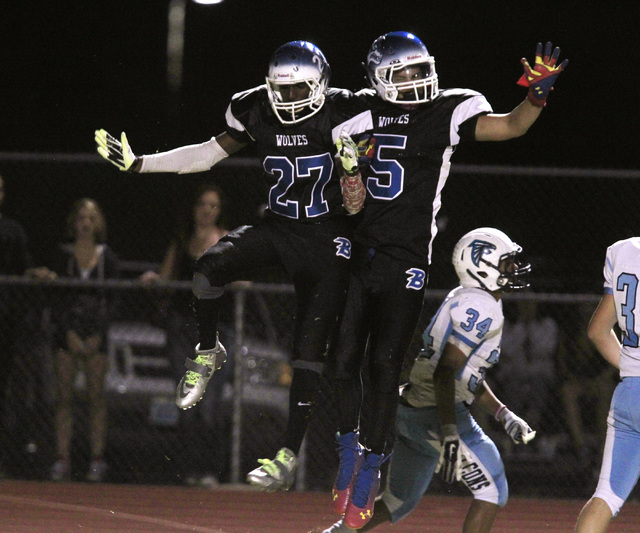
x: 360, y: 508
x: 351, y: 459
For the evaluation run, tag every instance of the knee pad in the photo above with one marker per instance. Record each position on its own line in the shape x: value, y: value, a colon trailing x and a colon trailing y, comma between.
x: 605, y: 493
x: 308, y: 365
x: 203, y: 290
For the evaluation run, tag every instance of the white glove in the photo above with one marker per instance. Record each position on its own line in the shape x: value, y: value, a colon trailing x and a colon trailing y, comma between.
x: 516, y: 428
x: 451, y: 455
x: 117, y: 152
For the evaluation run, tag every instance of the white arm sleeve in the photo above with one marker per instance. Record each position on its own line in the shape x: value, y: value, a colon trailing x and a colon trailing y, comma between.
x: 185, y: 160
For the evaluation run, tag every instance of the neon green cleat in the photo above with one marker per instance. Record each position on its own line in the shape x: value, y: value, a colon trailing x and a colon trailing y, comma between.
x: 199, y: 371
x: 279, y: 474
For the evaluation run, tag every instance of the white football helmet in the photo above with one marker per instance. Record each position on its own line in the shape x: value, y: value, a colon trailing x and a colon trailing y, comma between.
x: 294, y: 63
x: 487, y: 258
x: 394, y: 52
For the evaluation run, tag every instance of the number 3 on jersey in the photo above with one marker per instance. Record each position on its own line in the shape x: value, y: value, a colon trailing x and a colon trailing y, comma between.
x: 629, y: 283
x: 285, y: 173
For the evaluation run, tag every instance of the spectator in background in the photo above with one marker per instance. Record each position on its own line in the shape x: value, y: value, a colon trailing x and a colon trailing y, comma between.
x: 81, y: 318
x: 527, y: 376
x: 204, y: 228
x: 588, y: 382
x: 16, y: 328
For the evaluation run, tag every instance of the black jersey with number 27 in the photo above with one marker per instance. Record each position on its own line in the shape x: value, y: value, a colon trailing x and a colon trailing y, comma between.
x: 298, y: 159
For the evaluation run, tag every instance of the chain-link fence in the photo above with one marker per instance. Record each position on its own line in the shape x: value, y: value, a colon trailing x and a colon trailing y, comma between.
x: 563, y: 219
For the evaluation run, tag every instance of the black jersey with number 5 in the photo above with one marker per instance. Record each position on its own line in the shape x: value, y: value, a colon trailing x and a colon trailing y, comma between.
x: 298, y: 159
x: 409, y: 166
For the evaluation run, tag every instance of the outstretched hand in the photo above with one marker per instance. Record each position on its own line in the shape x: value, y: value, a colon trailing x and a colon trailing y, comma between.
x: 542, y: 76
x: 117, y: 152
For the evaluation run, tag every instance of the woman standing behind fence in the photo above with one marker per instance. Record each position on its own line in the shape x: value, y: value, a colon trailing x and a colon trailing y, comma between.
x: 204, y: 227
x: 81, y: 317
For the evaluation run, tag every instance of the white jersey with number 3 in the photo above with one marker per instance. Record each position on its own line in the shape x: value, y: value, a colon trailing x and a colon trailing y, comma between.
x: 621, y: 279
x: 472, y: 320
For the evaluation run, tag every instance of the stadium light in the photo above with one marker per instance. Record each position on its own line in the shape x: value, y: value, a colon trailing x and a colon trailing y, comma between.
x: 175, y: 41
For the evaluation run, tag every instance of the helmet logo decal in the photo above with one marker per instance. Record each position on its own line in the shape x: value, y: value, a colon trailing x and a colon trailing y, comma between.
x: 375, y: 57
x: 480, y: 248
x: 416, y: 278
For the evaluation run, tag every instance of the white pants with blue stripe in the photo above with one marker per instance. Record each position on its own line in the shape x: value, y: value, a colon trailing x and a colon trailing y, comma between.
x: 415, y: 457
x: 621, y: 458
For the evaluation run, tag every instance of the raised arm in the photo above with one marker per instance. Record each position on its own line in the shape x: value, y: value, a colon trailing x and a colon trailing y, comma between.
x: 184, y: 160
x: 539, y: 80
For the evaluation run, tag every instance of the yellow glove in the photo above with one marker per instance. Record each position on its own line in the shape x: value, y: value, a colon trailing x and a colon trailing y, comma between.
x: 348, y: 152
x: 117, y: 152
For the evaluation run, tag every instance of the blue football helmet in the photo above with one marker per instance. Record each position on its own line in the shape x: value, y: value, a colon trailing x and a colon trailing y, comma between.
x: 488, y: 259
x: 297, y: 62
x: 402, y: 53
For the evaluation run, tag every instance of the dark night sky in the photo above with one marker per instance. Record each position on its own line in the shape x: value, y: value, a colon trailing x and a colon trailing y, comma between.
x: 70, y: 67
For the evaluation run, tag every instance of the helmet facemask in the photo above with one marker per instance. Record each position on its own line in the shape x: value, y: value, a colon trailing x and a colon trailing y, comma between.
x: 418, y: 90
x: 302, y: 65
x: 513, y: 274
x: 293, y: 112
x: 401, y: 70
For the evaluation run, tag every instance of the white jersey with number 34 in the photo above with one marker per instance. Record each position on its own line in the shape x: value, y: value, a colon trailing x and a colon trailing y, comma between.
x: 472, y: 320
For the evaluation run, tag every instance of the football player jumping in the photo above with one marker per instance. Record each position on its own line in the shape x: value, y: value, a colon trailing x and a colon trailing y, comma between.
x: 621, y: 456
x: 294, y: 120
x: 435, y: 432
x: 416, y: 127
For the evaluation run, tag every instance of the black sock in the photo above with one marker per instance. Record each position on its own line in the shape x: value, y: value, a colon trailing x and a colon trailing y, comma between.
x: 302, y: 396
x: 379, y: 437
x: 348, y: 394
x: 207, y: 312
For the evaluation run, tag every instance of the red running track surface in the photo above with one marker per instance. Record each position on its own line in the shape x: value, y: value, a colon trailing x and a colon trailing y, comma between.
x: 34, y: 507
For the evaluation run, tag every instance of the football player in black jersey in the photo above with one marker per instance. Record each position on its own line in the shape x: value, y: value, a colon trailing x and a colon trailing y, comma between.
x: 295, y: 121
x: 416, y: 127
